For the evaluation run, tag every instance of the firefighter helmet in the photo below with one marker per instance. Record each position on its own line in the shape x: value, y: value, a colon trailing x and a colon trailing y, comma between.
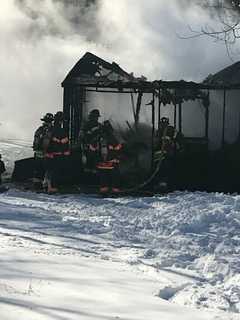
x: 48, y: 117
x: 59, y: 116
x: 94, y: 113
x: 165, y: 120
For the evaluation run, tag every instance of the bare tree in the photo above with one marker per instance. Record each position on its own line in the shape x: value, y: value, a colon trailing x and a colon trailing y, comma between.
x: 227, y: 14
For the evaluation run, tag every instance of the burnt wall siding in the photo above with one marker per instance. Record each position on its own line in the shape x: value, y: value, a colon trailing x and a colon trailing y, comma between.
x: 73, y: 104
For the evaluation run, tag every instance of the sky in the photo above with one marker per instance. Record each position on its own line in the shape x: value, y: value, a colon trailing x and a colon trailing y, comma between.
x: 42, y: 40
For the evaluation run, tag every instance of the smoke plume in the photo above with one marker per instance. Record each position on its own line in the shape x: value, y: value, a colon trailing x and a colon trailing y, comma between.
x: 42, y: 40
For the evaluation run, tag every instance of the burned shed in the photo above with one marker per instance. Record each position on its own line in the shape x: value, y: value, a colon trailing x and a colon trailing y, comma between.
x: 93, y: 82
x: 132, y: 104
x: 206, y: 114
x: 225, y: 97
x: 200, y: 111
x: 89, y: 76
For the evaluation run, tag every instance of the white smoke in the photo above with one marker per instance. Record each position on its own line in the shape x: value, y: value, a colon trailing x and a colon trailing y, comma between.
x: 42, y: 40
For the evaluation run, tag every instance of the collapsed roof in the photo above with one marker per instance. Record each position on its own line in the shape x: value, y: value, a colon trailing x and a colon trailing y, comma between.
x: 93, y: 71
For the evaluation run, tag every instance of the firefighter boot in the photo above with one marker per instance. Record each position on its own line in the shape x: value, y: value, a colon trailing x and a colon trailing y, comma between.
x: 52, y: 190
x: 104, y: 189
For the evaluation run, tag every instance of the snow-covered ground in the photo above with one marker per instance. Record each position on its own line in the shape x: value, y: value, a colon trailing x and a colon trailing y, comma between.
x: 81, y: 257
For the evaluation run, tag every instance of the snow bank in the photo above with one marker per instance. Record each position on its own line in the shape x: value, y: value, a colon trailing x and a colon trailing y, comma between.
x: 193, y: 238
x: 192, y: 234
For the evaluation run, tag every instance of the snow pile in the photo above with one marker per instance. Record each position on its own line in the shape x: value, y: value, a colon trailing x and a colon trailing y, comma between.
x: 192, y: 234
x: 189, y: 243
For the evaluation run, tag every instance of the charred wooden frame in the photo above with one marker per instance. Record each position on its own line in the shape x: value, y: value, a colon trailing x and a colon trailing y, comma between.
x: 223, y: 117
x: 75, y: 96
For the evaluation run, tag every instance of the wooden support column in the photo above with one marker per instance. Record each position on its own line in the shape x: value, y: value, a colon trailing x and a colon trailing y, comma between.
x: 138, y: 109
x: 180, y: 117
x: 73, y: 102
x: 153, y: 129
x: 206, y: 122
x: 206, y: 105
x: 66, y: 109
x: 223, y: 118
x: 175, y: 116
x: 71, y: 114
x: 77, y: 104
x: 159, y: 109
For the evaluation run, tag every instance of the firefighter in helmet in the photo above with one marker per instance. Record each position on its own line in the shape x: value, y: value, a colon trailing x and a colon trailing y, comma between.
x: 57, y: 153
x: 169, y: 142
x: 91, y: 135
x: 59, y: 144
x: 108, y: 167
x: 41, y: 139
x: 168, y: 138
x: 40, y: 134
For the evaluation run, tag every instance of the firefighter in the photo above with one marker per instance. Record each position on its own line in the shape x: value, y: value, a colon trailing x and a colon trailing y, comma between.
x: 166, y: 136
x: 91, y: 138
x: 108, y: 168
x: 57, y: 152
x: 2, y: 168
x: 169, y: 143
x: 41, y: 139
x: 40, y: 134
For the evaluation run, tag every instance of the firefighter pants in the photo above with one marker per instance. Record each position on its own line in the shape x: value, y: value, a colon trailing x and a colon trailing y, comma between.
x: 109, y: 177
x: 39, y: 168
x: 93, y: 158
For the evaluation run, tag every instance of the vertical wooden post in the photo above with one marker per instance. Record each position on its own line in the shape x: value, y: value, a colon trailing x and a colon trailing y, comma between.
x: 71, y: 114
x: 76, y: 118
x: 159, y: 109
x: 224, y: 116
x: 239, y: 126
x: 80, y: 100
x: 138, y: 109
x: 180, y: 117
x: 175, y: 116
x: 153, y: 129
x: 175, y: 109
x: 66, y: 109
x: 73, y: 101
x: 206, y: 105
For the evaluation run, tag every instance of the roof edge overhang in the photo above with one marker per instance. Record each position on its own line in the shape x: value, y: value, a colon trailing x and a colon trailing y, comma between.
x: 148, y: 85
